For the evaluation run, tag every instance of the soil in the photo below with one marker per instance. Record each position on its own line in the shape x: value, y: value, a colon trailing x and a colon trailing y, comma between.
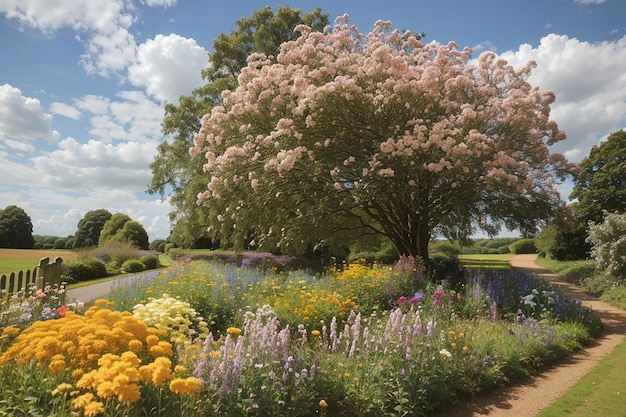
x: 529, y: 399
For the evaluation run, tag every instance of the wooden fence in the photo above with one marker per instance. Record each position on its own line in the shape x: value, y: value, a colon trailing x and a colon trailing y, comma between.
x: 46, y: 273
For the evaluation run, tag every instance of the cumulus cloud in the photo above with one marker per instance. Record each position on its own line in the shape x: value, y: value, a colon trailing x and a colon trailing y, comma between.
x: 590, y: 86
x: 23, y: 117
x: 63, y: 109
x: 102, y: 26
x: 168, y: 67
x: 82, y: 166
x: 133, y: 117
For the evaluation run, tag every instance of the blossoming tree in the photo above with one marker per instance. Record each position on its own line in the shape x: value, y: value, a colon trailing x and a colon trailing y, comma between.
x: 345, y: 133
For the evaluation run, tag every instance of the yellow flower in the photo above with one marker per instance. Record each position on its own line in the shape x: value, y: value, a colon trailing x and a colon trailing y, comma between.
x: 93, y: 409
x: 135, y: 345
x: 323, y: 403
x: 215, y: 354
x: 189, y: 385
x: 179, y: 369
x: 315, y: 333
x: 9, y: 331
x: 62, y: 387
x: 233, y: 331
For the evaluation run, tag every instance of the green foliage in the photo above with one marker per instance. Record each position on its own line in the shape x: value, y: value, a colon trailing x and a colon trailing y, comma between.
x: 608, y: 240
x: 133, y: 265
x: 523, y: 246
x: 150, y: 261
x: 172, y: 168
x: 445, y: 267
x: 89, y: 228
x: 16, y: 229
x: 121, y: 228
x: 84, y: 270
x: 601, y: 186
x: 564, y: 238
x: 446, y: 247
x: 158, y: 245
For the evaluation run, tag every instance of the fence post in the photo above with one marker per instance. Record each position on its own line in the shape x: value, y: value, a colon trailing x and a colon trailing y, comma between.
x: 41, y: 271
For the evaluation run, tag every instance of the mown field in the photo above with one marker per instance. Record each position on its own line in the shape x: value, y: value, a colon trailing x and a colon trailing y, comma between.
x: 14, y: 260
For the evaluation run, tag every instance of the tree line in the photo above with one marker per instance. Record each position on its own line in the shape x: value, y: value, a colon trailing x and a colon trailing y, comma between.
x: 96, y: 228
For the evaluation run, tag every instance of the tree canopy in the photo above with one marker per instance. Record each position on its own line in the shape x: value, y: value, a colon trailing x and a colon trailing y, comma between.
x: 120, y: 227
x: 601, y: 185
x: 345, y: 134
x: 89, y: 228
x: 16, y: 229
x: 173, y: 171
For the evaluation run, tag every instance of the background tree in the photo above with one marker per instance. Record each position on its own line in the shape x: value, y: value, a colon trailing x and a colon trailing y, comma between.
x: 121, y: 228
x: 346, y: 134
x: 16, y: 229
x: 89, y: 228
x: 601, y: 185
x: 564, y: 238
x: 174, y: 173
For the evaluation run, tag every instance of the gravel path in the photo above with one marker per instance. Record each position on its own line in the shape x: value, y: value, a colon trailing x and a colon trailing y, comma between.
x: 541, y: 391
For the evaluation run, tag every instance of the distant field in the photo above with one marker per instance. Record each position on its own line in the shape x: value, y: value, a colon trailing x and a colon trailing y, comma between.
x: 14, y: 260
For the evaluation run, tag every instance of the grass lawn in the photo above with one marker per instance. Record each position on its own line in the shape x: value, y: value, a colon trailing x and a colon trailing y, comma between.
x: 486, y: 261
x: 15, y: 260
x: 600, y: 393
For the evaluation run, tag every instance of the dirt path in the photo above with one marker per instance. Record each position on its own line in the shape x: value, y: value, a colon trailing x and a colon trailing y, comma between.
x: 529, y: 399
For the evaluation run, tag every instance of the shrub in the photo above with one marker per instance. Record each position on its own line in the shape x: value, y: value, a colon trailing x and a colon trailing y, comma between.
x: 504, y: 250
x: 133, y: 265
x: 523, y: 246
x: 445, y: 267
x: 608, y: 240
x: 150, y: 261
x: 119, y: 252
x: 84, y: 269
x: 447, y: 248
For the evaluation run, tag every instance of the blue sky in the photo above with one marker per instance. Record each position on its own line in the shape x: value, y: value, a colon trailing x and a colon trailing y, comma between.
x: 83, y: 82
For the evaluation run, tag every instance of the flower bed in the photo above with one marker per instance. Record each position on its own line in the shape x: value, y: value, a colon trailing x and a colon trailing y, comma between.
x: 217, y: 340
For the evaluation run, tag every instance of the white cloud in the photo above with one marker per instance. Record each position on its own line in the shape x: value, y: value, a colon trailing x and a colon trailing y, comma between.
x: 102, y: 26
x: 590, y: 86
x: 153, y: 3
x: 96, y: 164
x: 63, y: 109
x: 109, y: 52
x: 51, y: 15
x: 168, y: 66
x: 132, y: 118
x: 589, y: 1
x: 23, y: 117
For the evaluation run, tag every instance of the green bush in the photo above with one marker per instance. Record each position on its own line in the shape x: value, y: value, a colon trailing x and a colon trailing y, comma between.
x: 503, y: 250
x: 523, y: 246
x: 446, y: 248
x: 150, y: 261
x: 442, y: 266
x: 84, y: 269
x: 133, y: 265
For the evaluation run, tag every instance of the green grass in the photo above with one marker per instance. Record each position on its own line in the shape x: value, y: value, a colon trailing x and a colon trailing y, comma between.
x: 486, y: 261
x: 15, y: 260
x: 599, y: 393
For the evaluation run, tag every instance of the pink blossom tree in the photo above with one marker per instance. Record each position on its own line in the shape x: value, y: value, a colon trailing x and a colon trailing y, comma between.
x: 345, y: 134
